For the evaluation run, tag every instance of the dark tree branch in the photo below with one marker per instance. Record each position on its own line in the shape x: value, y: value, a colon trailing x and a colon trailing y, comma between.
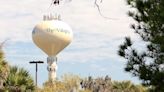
x: 57, y: 2
x: 98, y: 7
x: 2, y: 44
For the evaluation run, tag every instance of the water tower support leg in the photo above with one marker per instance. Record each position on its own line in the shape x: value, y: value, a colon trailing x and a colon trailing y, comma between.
x: 52, y: 68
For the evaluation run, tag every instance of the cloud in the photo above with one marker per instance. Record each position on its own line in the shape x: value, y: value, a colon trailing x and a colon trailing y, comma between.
x: 19, y: 18
x: 96, y: 67
x: 95, y: 42
x: 91, y: 31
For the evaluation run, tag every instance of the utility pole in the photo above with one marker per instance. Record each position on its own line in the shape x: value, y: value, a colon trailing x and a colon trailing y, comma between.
x: 36, y: 62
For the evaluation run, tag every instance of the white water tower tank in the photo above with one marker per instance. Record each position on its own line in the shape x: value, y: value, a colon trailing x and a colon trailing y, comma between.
x: 52, y: 36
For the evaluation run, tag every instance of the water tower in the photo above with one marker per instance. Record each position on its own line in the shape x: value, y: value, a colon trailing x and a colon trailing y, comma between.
x: 52, y: 35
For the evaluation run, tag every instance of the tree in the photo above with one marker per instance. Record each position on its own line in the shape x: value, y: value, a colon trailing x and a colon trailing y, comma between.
x: 97, y: 85
x: 19, y: 80
x: 127, y: 86
x: 106, y: 85
x: 13, y: 79
x: 149, y: 64
x: 4, y: 68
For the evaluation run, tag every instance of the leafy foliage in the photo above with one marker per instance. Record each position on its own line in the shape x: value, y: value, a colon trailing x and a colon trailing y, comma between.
x: 73, y: 83
x: 68, y: 83
x: 4, y: 68
x: 127, y: 86
x: 19, y: 80
x: 148, y: 65
x: 12, y: 78
x: 106, y: 85
x: 97, y: 85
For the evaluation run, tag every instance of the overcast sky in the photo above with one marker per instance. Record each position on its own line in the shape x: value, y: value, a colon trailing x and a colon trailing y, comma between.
x: 93, y: 50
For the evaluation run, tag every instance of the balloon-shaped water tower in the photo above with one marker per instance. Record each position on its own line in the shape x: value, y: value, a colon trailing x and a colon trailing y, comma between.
x: 52, y: 35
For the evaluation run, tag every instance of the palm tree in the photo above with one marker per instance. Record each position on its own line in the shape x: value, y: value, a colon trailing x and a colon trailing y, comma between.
x: 19, y: 80
x: 127, y: 86
x: 4, y: 68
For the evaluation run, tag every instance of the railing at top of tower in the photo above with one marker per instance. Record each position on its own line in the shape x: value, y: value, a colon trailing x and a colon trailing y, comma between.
x: 51, y: 17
